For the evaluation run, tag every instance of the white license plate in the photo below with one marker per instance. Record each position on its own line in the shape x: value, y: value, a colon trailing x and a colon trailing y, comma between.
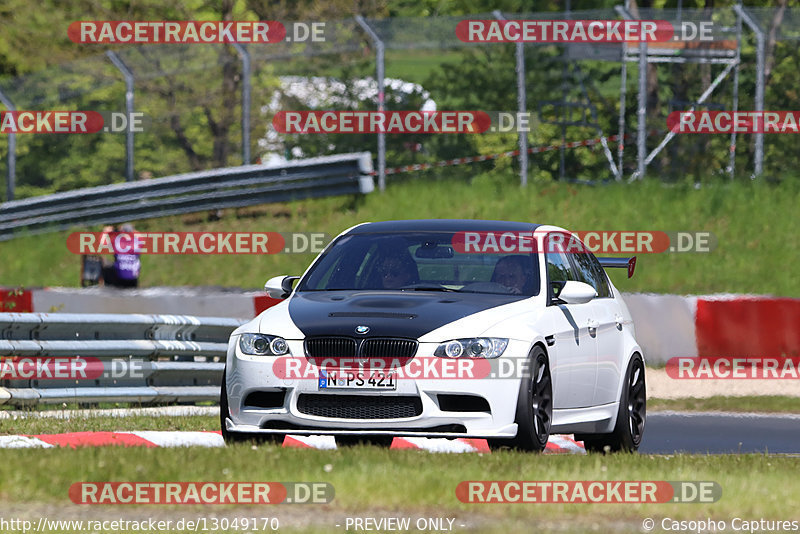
x: 358, y: 380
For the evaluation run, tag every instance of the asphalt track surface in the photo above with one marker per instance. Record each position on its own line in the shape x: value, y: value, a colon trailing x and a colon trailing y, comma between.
x: 720, y: 433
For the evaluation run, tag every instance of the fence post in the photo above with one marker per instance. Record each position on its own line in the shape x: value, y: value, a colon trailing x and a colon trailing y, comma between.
x: 732, y: 150
x: 641, y: 113
x: 11, y: 176
x: 129, y: 79
x: 245, y: 55
x: 519, y: 53
x: 380, y: 73
x: 759, y: 101
x: 623, y: 95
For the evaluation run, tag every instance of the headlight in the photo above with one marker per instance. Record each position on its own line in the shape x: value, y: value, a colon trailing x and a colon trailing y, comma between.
x: 475, y: 347
x: 263, y: 345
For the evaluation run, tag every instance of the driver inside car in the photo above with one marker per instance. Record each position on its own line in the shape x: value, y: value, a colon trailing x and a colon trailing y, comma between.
x: 398, y: 270
x: 510, y: 272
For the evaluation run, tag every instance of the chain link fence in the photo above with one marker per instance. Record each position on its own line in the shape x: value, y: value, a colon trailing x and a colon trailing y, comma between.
x: 211, y: 105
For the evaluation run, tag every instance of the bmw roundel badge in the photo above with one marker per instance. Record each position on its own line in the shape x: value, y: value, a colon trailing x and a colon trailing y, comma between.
x: 362, y: 329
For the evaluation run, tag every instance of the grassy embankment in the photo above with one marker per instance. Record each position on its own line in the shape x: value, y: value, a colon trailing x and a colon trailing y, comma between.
x: 755, y: 226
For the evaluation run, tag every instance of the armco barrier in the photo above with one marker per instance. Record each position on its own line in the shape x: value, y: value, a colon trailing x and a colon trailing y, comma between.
x: 231, y: 187
x: 144, y: 358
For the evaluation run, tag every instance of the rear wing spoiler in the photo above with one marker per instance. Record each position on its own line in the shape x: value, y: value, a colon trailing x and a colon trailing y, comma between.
x: 622, y: 263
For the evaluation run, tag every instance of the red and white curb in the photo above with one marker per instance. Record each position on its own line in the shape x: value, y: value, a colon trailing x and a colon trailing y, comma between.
x: 558, y: 444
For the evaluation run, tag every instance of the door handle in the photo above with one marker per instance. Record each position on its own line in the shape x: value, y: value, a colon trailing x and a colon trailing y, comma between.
x: 593, y: 326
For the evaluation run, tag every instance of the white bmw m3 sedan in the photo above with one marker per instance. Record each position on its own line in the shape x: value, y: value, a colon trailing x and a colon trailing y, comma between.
x: 442, y: 328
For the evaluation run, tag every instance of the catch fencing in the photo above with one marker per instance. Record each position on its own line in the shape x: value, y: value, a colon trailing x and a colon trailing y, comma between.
x: 211, y: 105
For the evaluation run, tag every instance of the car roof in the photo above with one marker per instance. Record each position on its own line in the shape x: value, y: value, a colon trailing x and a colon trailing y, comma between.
x: 443, y: 225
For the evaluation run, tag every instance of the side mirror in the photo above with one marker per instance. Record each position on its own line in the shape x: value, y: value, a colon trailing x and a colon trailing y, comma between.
x: 280, y: 287
x: 556, y: 286
x: 577, y: 292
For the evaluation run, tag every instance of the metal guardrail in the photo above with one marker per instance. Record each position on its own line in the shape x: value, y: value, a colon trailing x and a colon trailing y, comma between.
x: 232, y: 187
x: 125, y: 358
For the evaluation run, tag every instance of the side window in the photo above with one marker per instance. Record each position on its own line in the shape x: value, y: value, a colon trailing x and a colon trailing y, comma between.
x: 603, y: 289
x: 558, y: 267
x: 591, y: 272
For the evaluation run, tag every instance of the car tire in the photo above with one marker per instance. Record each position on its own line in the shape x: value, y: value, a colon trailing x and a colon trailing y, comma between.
x: 631, y: 417
x: 351, y: 440
x: 534, y: 412
x: 240, y: 437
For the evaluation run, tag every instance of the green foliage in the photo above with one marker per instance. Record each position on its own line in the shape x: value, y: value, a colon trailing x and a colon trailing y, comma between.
x: 195, y: 111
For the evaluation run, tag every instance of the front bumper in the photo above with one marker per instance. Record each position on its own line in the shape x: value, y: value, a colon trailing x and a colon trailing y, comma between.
x: 489, y: 412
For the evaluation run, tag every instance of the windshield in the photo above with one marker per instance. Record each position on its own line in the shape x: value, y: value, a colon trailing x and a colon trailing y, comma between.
x: 420, y: 261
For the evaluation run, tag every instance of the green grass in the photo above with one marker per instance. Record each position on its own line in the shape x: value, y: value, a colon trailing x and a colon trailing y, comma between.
x: 50, y: 425
x: 755, y: 226
x: 387, y: 481
x: 417, y: 65
x: 765, y: 404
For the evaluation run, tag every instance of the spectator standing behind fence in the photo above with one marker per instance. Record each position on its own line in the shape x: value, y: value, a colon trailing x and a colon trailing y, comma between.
x: 124, y: 272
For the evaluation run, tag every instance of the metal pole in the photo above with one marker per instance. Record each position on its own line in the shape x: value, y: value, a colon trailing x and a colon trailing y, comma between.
x: 245, y: 55
x: 623, y: 94
x: 522, y: 107
x: 11, y: 176
x: 732, y: 150
x: 519, y: 53
x: 622, y: 104
x: 641, y: 114
x: 564, y: 117
x: 759, y: 103
x: 380, y: 67
x: 129, y: 79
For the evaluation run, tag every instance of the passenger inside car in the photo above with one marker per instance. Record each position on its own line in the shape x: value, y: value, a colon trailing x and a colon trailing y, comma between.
x: 514, y: 273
